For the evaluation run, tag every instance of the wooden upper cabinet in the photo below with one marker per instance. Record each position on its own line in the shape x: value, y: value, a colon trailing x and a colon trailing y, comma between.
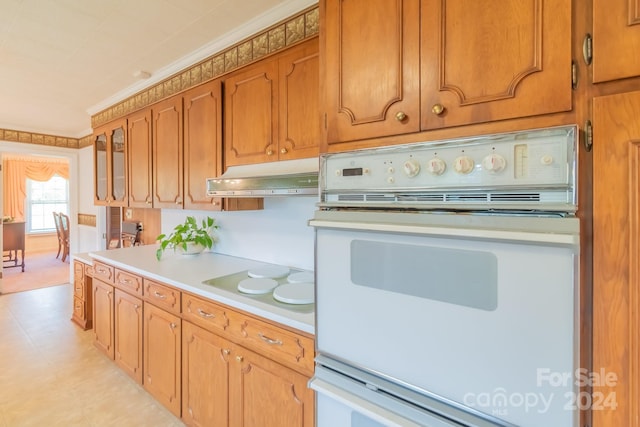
x: 250, y: 101
x: 371, y: 68
x: 110, y: 157
x: 140, y: 159
x: 167, y: 154
x: 299, y: 102
x: 272, y: 108
x: 202, y: 144
x: 616, y: 38
x: 491, y: 60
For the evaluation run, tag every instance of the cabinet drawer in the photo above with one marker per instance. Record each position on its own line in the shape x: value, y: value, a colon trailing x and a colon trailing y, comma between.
x: 128, y: 282
x: 162, y: 296
x: 283, y: 346
x: 78, y: 288
x: 103, y: 272
x: 204, y: 313
x: 88, y: 270
x: 78, y: 308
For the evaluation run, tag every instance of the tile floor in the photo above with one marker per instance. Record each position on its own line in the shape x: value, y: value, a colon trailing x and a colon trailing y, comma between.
x: 52, y: 375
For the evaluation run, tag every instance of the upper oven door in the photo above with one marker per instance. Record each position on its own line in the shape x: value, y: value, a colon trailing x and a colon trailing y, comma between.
x: 481, y: 311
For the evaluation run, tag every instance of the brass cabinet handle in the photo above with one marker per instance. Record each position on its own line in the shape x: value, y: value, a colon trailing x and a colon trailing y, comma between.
x: 269, y: 152
x: 437, y: 109
x: 173, y: 325
x: 400, y: 116
x: 268, y: 340
x: 159, y: 295
x: 226, y: 351
x: 283, y: 151
x: 204, y: 314
x: 239, y: 358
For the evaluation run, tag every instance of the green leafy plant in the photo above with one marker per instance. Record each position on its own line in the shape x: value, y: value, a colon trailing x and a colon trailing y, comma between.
x: 188, y: 232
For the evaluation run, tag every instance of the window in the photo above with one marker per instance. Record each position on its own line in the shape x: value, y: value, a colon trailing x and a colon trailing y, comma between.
x: 44, y: 198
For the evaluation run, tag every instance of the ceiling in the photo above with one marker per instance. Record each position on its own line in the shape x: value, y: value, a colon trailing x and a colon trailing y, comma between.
x: 63, y: 60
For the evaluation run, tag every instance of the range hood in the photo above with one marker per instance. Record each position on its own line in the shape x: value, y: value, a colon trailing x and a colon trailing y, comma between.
x: 283, y: 178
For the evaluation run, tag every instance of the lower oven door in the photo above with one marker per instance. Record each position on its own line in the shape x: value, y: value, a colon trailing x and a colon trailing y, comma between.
x: 480, y: 311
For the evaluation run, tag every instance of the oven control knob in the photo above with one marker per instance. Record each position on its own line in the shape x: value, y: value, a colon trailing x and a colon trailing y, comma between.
x: 391, y: 180
x: 494, y: 163
x: 436, y: 166
x: 464, y: 164
x: 411, y: 168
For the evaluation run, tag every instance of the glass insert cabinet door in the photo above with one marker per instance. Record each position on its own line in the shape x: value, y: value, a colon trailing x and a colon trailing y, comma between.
x: 101, y: 176
x: 118, y: 165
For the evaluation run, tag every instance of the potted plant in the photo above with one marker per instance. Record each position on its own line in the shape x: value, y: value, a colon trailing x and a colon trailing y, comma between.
x: 189, y: 237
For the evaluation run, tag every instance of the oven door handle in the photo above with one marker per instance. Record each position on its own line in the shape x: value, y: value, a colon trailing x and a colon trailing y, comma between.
x: 368, y: 402
x: 558, y: 239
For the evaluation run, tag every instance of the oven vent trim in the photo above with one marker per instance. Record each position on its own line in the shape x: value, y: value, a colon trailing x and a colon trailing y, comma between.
x: 446, y: 198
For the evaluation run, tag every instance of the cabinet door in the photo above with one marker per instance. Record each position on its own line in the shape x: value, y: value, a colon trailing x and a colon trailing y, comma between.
x: 78, y: 280
x: 371, y: 68
x: 290, y: 402
x: 101, y: 189
x: 251, y: 115
x: 202, y: 144
x: 167, y: 154
x: 140, y: 159
x: 205, y: 377
x: 103, y: 321
x: 118, y: 163
x: 299, y: 103
x: 616, y: 38
x: 491, y: 60
x: 128, y: 334
x: 616, y: 255
x: 162, y: 358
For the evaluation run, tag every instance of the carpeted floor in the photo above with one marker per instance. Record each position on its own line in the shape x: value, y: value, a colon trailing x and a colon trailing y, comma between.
x: 41, y: 270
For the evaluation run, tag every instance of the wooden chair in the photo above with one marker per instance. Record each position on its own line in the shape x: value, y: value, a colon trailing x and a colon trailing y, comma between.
x: 64, y: 241
x: 56, y: 219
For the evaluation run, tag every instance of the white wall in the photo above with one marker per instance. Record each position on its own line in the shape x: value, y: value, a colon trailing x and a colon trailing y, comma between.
x: 89, y: 238
x: 277, y: 234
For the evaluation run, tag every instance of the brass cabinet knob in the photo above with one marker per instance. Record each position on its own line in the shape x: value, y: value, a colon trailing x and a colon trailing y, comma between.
x: 400, y: 116
x: 283, y: 151
x: 269, y: 152
x: 239, y: 358
x: 437, y: 109
x: 226, y: 351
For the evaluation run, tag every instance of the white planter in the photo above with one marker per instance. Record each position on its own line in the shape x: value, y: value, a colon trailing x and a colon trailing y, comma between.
x: 192, y: 249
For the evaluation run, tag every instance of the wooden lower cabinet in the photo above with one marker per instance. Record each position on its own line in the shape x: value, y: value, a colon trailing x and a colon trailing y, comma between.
x: 103, y: 313
x: 205, y: 377
x: 225, y: 384
x: 162, y: 356
x: 128, y: 334
x: 82, y: 295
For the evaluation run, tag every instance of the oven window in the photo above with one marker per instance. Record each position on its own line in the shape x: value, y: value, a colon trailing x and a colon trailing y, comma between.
x: 455, y: 276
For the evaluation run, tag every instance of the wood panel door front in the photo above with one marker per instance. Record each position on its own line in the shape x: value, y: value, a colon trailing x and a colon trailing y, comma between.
x: 140, y: 159
x: 205, y: 377
x: 128, y: 334
x: 616, y: 255
x: 103, y: 321
x: 491, y: 60
x: 162, y: 356
x: 265, y: 393
x: 251, y: 115
x: 299, y: 103
x: 202, y: 144
x: 371, y: 64
x: 616, y: 39
x: 168, y: 154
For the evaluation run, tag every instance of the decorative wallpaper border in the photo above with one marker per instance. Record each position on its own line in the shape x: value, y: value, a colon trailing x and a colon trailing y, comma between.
x: 42, y: 139
x: 87, y: 219
x: 293, y: 30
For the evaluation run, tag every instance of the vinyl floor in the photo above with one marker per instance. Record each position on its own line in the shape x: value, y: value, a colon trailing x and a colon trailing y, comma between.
x: 52, y: 375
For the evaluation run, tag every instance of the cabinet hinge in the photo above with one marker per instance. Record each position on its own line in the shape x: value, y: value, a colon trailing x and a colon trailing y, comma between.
x: 574, y: 75
x: 587, y: 49
x: 588, y: 135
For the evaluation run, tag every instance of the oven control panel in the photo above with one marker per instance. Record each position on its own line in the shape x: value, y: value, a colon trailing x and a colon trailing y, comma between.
x: 537, y: 158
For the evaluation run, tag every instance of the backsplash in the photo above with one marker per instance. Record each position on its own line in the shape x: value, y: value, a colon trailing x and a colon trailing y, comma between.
x: 277, y: 234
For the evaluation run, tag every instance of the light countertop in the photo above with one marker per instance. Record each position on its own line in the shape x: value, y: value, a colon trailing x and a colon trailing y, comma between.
x: 187, y: 272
